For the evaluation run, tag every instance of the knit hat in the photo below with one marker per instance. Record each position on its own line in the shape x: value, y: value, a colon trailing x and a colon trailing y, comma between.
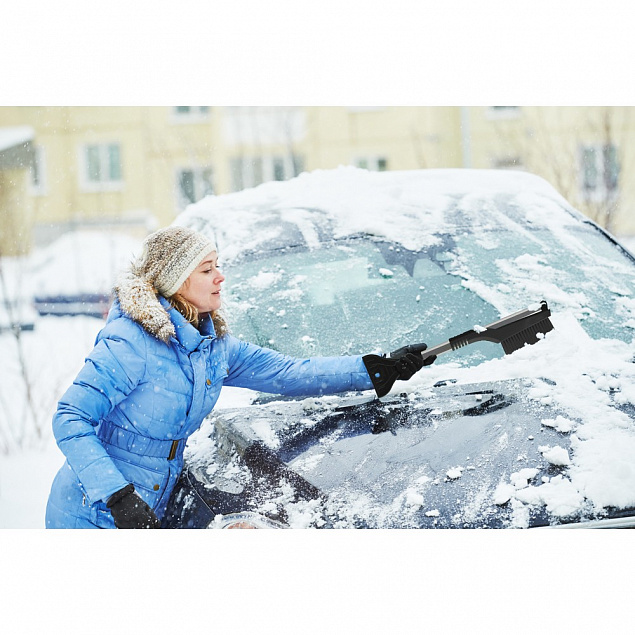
x: 170, y: 255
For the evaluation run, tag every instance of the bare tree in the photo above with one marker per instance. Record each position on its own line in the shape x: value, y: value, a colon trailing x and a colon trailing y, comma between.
x: 604, y: 206
x: 583, y: 162
x: 418, y: 147
x: 15, y: 434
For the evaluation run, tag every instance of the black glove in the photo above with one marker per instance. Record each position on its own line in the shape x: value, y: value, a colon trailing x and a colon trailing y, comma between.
x: 130, y: 511
x: 384, y: 371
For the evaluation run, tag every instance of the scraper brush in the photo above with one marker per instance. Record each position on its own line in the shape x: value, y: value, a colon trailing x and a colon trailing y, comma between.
x: 512, y: 332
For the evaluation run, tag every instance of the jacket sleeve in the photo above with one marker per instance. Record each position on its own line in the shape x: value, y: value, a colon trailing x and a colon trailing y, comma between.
x: 251, y: 366
x: 112, y: 370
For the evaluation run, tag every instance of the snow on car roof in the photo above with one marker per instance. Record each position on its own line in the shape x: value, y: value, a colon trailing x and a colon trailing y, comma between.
x: 408, y: 207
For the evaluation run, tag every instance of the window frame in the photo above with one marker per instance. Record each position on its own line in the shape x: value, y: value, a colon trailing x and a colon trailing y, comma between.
x: 600, y: 191
x: 372, y: 162
x: 199, y: 184
x: 196, y: 114
x: 503, y: 112
x: 508, y: 163
x: 40, y: 164
x: 102, y: 185
x: 292, y: 166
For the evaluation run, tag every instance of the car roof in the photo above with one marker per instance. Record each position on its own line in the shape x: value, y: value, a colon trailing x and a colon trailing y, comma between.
x: 406, y: 207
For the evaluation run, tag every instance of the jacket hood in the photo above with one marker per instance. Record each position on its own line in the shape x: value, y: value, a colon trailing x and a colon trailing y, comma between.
x: 139, y: 300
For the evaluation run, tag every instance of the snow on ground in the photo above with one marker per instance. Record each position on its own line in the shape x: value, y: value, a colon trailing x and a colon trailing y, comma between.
x: 54, y: 352
x: 25, y: 482
x: 49, y: 356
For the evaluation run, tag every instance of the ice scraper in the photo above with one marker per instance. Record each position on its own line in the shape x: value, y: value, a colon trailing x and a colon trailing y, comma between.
x: 513, y: 332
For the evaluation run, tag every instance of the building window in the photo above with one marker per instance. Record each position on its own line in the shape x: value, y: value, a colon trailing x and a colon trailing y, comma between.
x: 378, y: 164
x: 190, y: 113
x: 101, y: 166
x: 508, y: 163
x: 599, y: 171
x: 37, y: 185
x: 251, y: 171
x: 193, y: 184
x: 264, y: 126
x: 503, y: 112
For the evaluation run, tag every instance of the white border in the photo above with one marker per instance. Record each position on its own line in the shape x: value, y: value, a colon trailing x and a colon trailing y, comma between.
x: 249, y: 52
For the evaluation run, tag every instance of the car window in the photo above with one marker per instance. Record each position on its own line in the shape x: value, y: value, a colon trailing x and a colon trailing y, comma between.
x: 357, y: 296
x: 349, y: 298
x: 581, y: 270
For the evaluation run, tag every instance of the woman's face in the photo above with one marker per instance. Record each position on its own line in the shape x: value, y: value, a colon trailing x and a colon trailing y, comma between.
x: 202, y: 288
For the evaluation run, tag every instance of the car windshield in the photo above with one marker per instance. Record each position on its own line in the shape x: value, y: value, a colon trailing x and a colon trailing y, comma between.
x: 359, y: 295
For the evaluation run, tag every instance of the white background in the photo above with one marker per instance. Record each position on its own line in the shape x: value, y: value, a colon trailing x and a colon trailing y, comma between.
x: 331, y: 52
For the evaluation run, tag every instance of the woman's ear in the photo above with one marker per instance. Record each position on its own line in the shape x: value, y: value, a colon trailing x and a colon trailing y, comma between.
x: 185, y: 285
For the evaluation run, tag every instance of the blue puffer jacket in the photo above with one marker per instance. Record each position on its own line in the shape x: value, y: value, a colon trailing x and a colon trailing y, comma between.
x: 129, y: 412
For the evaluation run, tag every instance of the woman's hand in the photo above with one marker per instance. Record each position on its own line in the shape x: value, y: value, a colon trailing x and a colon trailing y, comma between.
x: 384, y: 371
x: 130, y: 511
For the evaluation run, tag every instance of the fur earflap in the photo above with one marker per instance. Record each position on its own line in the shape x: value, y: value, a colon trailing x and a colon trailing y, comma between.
x: 138, y: 300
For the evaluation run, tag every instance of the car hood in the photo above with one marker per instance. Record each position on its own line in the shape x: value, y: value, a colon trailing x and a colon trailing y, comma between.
x: 454, y: 456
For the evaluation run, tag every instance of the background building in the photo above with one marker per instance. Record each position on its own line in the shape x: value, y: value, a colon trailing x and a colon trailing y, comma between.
x: 136, y: 168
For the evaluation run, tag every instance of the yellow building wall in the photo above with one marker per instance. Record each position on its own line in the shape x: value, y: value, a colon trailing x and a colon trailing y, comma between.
x: 548, y: 141
x: 156, y: 143
x: 153, y: 145
x: 16, y: 213
x: 408, y: 137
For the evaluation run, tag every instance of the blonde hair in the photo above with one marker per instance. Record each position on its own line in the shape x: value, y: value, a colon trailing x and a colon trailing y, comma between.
x: 190, y: 313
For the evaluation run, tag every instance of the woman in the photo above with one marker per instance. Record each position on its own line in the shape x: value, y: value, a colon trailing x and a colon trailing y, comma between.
x: 156, y: 371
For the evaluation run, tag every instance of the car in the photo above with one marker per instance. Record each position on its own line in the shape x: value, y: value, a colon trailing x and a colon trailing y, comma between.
x: 94, y: 305
x: 75, y: 273
x: 16, y: 314
x: 346, y: 261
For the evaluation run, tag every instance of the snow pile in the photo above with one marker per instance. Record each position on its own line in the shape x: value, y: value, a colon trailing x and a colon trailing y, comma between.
x: 560, y: 423
x: 455, y: 472
x: 414, y: 498
x: 53, y: 354
x: 555, y: 455
x: 569, y: 370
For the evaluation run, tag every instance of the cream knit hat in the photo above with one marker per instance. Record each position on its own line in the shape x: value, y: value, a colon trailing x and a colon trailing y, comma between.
x: 169, y: 257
